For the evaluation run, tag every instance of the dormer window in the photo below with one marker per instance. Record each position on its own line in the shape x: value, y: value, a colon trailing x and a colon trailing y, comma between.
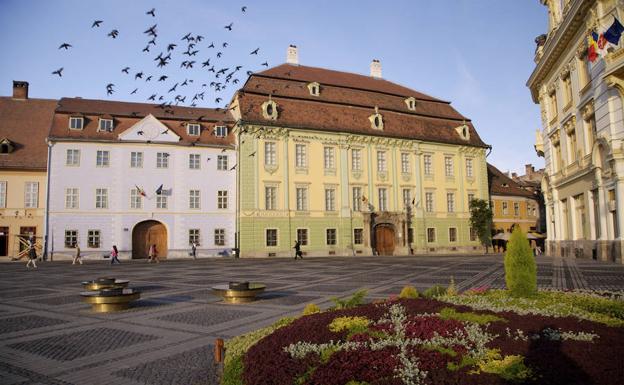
x: 76, y: 122
x: 6, y: 147
x: 193, y: 129
x: 411, y: 103
x: 105, y: 124
x: 221, y: 131
x: 315, y: 89
x: 269, y: 110
x: 376, y: 120
x: 463, y: 131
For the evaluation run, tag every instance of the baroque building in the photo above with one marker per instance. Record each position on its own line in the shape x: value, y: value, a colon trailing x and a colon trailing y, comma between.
x: 582, y: 138
x: 24, y: 124
x: 350, y: 164
x: 134, y: 174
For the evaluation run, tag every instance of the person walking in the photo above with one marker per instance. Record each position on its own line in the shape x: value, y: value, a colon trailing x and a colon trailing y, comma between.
x: 297, y: 248
x: 114, y: 254
x: 153, y: 254
x: 194, y: 250
x: 77, y: 256
x: 32, y: 254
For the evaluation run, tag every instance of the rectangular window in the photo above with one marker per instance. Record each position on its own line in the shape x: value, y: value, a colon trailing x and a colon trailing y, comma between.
x: 381, y: 161
x: 428, y: 164
x: 429, y: 202
x: 193, y: 129
x: 358, y: 236
x: 219, y: 237
x: 270, y: 198
x: 93, y: 239
x: 73, y: 158
x: 473, y: 234
x: 136, y: 159
x: 101, y: 198
x: 383, y: 199
x: 102, y: 158
x: 221, y: 131
x: 505, y: 208
x: 356, y: 160
x: 431, y: 235
x: 471, y: 197
x: 469, y: 173
x: 194, y: 161
x: 405, y: 164
x: 3, y: 194
x: 302, y: 198
x: 193, y: 235
x: 194, y: 199
x: 516, y: 208
x: 450, y: 202
x: 71, y: 238
x: 71, y: 198
x: 270, y: 153
x: 76, y: 122
x: 328, y: 157
x: 302, y: 236
x: 330, y: 237
x: 448, y: 166
x: 31, y: 195
x: 301, y: 157
x: 222, y: 162
x: 135, y: 199
x: 357, y: 198
x: 407, y: 197
x: 452, y: 234
x: 271, y: 237
x: 105, y: 125
x: 222, y: 199
x: 162, y: 160
x: 330, y: 199
x: 161, y: 202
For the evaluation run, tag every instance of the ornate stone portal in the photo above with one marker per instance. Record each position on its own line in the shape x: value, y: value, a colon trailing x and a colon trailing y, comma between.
x: 386, y: 232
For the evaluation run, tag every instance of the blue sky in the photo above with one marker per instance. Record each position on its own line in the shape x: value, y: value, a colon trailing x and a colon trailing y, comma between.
x: 477, y: 54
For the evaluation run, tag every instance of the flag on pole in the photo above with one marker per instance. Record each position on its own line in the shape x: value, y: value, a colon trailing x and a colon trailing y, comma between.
x: 613, y: 33
x: 140, y: 191
x: 592, y: 46
x: 159, y: 190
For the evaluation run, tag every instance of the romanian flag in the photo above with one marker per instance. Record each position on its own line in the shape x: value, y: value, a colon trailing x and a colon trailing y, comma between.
x: 592, y: 46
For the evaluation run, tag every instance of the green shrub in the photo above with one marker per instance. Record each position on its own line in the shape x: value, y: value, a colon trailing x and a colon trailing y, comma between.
x: 520, y: 268
x: 481, y: 319
x: 409, y: 292
x: 352, y: 324
x: 355, y: 300
x: 311, y: 308
x: 434, y: 291
x: 510, y: 368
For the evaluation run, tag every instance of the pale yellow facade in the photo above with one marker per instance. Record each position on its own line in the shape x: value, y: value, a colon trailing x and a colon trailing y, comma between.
x: 22, y: 209
x: 512, y: 211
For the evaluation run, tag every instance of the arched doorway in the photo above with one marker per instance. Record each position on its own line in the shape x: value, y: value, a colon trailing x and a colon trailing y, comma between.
x: 146, y: 233
x: 384, y: 239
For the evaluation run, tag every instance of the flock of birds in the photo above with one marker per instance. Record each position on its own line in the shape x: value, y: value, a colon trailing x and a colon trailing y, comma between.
x: 187, y: 51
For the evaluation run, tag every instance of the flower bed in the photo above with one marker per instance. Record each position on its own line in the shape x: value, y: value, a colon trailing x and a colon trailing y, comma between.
x: 427, y: 341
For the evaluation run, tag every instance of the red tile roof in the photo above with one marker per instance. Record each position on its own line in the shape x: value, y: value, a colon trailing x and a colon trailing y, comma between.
x: 126, y: 114
x: 501, y: 184
x: 26, y: 122
x: 345, y: 103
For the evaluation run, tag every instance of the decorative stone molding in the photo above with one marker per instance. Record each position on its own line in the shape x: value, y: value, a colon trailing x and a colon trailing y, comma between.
x: 551, y: 88
x: 271, y: 168
x: 411, y: 103
x: 587, y: 111
x: 382, y: 175
x: 356, y: 174
x: 269, y: 110
x: 463, y: 131
x: 555, y: 137
x: 314, y: 88
x: 615, y: 82
x: 570, y: 125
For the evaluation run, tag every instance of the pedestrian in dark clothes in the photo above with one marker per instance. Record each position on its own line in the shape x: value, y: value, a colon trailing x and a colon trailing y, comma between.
x: 32, y: 254
x: 297, y: 248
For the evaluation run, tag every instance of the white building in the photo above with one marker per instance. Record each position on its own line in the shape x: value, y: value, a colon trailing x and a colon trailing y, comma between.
x: 582, y: 139
x: 132, y: 175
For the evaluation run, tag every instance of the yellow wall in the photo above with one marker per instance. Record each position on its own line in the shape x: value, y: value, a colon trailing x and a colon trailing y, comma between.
x: 505, y: 221
x: 15, y: 215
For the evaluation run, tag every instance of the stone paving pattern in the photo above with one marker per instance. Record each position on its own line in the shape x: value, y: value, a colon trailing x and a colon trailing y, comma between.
x: 48, y: 336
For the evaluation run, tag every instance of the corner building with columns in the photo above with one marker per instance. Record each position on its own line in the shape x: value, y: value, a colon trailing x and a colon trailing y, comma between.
x: 582, y: 138
x: 351, y: 164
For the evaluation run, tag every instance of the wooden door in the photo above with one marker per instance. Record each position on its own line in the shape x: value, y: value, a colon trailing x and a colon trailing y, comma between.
x: 384, y: 239
x: 148, y: 233
x: 4, y: 241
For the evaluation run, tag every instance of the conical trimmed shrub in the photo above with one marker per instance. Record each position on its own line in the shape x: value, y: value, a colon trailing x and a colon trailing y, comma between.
x: 520, y: 267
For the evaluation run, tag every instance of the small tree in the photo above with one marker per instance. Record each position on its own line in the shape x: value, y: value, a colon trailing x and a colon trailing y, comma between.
x: 520, y: 267
x: 481, y: 221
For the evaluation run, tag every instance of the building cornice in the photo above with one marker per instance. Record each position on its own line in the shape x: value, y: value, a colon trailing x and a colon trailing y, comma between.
x: 556, y: 44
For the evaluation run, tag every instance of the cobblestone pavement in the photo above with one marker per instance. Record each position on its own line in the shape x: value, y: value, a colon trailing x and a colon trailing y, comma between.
x: 48, y: 336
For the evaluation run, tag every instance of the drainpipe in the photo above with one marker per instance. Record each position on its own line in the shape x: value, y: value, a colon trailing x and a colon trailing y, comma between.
x: 46, y: 221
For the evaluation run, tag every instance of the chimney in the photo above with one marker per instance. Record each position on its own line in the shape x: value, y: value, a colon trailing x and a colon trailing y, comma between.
x: 529, y: 170
x: 375, y: 69
x: 292, y: 55
x: 514, y: 175
x: 20, y: 90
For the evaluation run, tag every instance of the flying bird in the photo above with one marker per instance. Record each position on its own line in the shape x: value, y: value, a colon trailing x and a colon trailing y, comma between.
x: 151, y: 30
x: 249, y: 73
x: 265, y: 64
x: 218, y: 100
x: 149, y: 78
x: 244, y: 9
x: 211, y: 45
x: 219, y: 54
x: 252, y: 154
x: 225, y: 44
x: 206, y: 63
x: 139, y: 75
x: 229, y: 26
x: 58, y: 72
x: 233, y: 168
x: 140, y: 132
x: 134, y: 92
x: 255, y: 51
x: 113, y: 33
x: 96, y: 23
x: 65, y: 45
x: 152, y: 97
x: 187, y: 37
x: 173, y: 88
x: 151, y: 12
x: 153, y: 42
x: 199, y: 38
x: 171, y: 47
x: 184, y: 83
x: 146, y: 49
x: 125, y: 70
x: 163, y: 78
